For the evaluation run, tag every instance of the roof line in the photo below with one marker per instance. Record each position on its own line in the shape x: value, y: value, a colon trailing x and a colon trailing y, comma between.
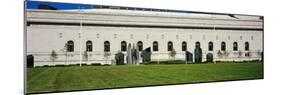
x: 168, y: 10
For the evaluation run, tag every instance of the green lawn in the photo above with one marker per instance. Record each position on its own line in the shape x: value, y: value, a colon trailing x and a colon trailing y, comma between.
x: 50, y: 79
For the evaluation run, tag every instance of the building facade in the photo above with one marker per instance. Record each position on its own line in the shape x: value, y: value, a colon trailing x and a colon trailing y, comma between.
x: 71, y: 33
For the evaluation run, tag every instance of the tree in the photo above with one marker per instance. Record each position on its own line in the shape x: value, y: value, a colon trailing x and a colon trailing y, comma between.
x: 54, y: 56
x: 106, y: 56
x: 173, y: 54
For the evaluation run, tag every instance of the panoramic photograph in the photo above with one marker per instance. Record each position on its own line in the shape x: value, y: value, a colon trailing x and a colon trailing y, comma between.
x: 78, y: 47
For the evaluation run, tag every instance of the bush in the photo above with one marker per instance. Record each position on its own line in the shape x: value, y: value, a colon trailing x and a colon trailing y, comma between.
x: 95, y: 64
x: 209, y: 57
x: 188, y: 57
x: 53, y: 56
x: 198, y: 55
x: 146, y: 56
x: 167, y: 62
x: 119, y: 57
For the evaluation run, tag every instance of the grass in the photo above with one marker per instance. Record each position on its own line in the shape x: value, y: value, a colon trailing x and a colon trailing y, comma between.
x: 52, y: 79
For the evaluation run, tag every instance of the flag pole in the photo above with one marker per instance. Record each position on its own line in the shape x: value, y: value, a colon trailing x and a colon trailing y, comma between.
x: 80, y: 35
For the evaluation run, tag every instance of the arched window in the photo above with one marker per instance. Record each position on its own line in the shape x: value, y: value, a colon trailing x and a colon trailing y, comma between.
x: 106, y: 46
x: 123, y: 46
x: 235, y: 46
x: 140, y: 45
x: 89, y: 46
x: 197, y: 44
x: 70, y: 46
x: 210, y: 46
x: 223, y: 47
x: 247, y: 46
x: 155, y: 46
x: 170, y: 46
x: 183, y: 47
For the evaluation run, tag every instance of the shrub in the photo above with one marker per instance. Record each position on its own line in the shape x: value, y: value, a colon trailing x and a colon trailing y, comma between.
x: 54, y: 56
x: 209, y: 57
x: 146, y: 56
x: 167, y: 62
x: 188, y: 57
x: 96, y: 64
x: 119, y: 57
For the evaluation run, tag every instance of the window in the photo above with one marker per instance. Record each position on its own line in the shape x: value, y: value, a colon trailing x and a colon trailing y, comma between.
x: 70, y: 46
x: 252, y: 37
x: 123, y: 46
x: 190, y: 37
x: 106, y: 46
x: 147, y: 36
x: 170, y: 46
x: 241, y: 38
x: 223, y: 46
x: 162, y: 36
x: 177, y: 36
x: 210, y: 46
x: 184, y: 47
x: 235, y: 46
x: 155, y: 46
x: 197, y: 44
x: 89, y: 46
x: 140, y: 45
x: 228, y: 37
x: 247, y: 46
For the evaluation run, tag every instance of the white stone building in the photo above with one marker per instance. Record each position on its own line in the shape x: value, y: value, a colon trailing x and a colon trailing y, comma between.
x: 68, y: 32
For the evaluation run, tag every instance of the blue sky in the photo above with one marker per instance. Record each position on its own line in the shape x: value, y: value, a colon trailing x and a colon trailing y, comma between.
x: 59, y: 6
